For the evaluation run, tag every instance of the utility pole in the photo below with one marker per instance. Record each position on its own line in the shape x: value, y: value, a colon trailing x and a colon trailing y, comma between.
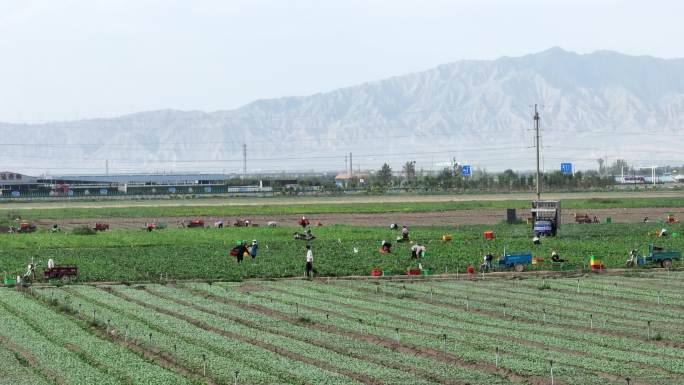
x: 346, y: 165
x: 536, y: 128
x: 351, y: 168
x: 244, y: 160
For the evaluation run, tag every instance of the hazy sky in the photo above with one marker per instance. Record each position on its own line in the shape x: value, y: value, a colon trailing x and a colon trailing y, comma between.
x: 68, y: 59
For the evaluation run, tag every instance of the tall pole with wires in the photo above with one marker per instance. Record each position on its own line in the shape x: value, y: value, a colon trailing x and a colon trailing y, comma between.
x: 536, y: 136
x: 244, y: 160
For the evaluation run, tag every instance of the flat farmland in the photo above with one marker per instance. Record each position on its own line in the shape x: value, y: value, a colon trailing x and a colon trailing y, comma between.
x: 594, y: 329
x: 339, y: 250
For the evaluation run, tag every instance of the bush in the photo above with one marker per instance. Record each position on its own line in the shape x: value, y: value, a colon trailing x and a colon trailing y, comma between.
x: 83, y: 230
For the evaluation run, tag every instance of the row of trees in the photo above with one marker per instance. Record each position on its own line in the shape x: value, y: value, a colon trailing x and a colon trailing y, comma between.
x: 508, y: 180
x: 450, y: 178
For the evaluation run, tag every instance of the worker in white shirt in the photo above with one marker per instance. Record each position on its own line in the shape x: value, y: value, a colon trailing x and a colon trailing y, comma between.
x: 309, y: 261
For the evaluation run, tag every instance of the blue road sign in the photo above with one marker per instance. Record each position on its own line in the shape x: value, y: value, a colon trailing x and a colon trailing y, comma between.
x: 566, y: 168
x: 465, y: 170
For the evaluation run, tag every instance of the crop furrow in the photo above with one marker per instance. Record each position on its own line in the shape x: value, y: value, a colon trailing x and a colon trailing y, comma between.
x: 247, y: 359
x: 158, y: 357
x: 298, y: 321
x: 32, y: 361
x: 372, y: 308
x: 253, y: 341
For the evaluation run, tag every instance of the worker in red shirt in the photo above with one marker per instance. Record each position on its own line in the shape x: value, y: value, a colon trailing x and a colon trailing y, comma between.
x: 304, y: 222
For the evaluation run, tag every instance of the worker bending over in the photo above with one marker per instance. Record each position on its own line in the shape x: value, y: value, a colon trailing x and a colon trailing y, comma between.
x: 417, y: 251
x: 555, y: 257
x: 404, y: 234
x: 385, y: 247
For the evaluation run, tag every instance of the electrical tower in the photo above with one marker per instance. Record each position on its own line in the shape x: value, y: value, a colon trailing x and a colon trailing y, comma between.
x: 244, y: 161
x: 351, y: 167
x: 536, y: 136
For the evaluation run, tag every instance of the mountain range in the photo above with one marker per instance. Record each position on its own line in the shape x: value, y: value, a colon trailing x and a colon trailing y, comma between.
x: 598, y: 105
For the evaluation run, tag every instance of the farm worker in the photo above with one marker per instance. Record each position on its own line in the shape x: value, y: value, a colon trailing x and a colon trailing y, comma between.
x: 241, y: 250
x: 646, y: 220
x: 663, y: 233
x: 247, y: 222
x: 488, y: 261
x: 51, y: 263
x: 417, y: 250
x: 536, y: 240
x: 30, y: 271
x: 55, y: 228
x: 303, y: 222
x: 309, y: 261
x: 632, y: 260
x: 471, y: 269
x: 393, y: 226
x: 385, y: 247
x: 555, y: 257
x: 218, y: 224
x: 404, y: 233
x: 253, y: 250
x: 595, y: 220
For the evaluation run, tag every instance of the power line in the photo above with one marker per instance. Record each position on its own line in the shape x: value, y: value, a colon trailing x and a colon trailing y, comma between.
x: 536, y: 126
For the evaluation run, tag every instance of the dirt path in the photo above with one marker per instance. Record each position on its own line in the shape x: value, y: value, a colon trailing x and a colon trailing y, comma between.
x: 436, y: 218
x: 387, y: 198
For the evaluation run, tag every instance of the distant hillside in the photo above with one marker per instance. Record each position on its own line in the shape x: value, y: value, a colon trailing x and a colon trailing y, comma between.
x: 594, y: 105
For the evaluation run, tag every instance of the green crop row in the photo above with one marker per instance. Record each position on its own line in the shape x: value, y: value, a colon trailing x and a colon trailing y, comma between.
x: 437, y: 318
x: 300, y: 328
x: 343, y: 332
x: 109, y: 358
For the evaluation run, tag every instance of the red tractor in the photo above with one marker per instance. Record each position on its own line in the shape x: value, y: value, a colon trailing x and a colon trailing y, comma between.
x: 195, y: 223
x: 101, y: 226
x: 26, y: 227
x: 63, y: 273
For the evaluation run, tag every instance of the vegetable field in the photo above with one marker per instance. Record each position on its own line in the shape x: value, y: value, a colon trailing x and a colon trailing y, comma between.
x: 136, y: 255
x: 594, y: 329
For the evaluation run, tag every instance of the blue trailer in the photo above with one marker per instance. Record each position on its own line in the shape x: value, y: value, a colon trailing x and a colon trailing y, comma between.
x: 516, y: 261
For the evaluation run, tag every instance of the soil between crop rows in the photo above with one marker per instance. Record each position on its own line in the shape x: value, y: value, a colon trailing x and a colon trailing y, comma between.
x: 434, y: 218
